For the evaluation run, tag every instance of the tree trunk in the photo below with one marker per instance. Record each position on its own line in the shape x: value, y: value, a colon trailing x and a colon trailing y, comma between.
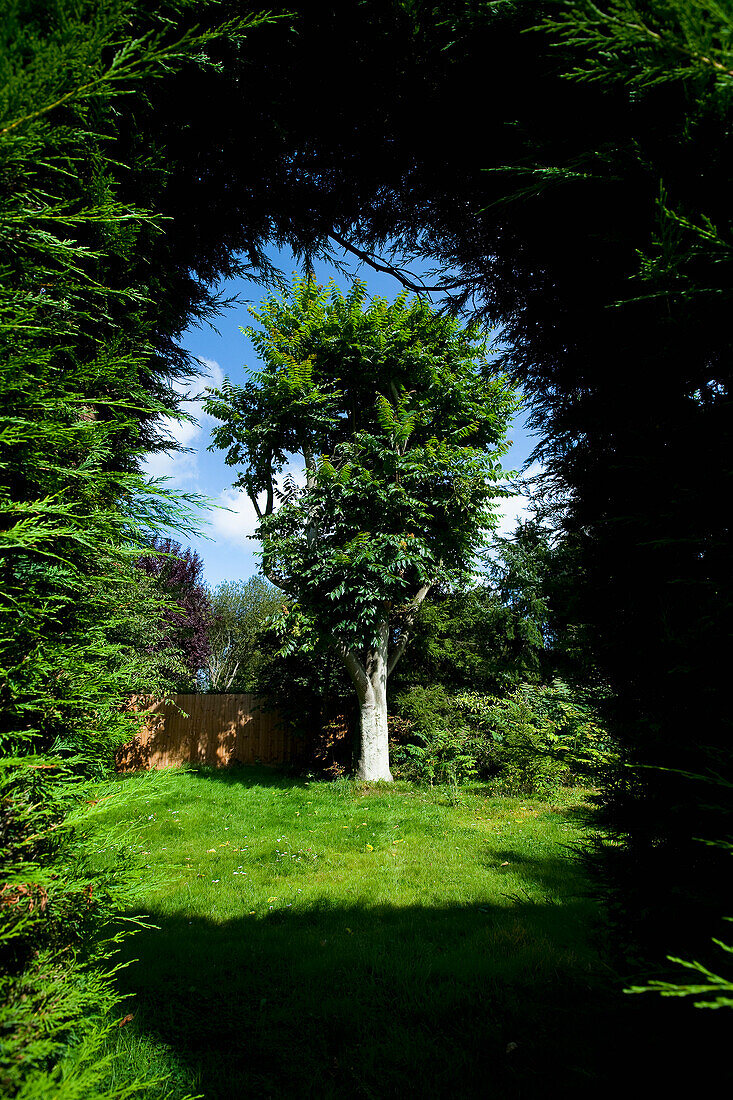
x: 372, y: 692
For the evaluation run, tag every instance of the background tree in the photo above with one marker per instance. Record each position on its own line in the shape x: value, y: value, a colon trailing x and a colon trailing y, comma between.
x: 238, y: 614
x: 517, y: 624
x: 179, y: 575
x: 455, y: 642
x: 400, y: 444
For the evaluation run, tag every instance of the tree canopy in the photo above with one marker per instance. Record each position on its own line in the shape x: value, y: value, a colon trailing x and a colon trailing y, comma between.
x: 238, y: 614
x: 179, y: 575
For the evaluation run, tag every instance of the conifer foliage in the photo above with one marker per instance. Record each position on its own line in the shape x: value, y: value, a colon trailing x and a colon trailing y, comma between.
x: 87, y: 368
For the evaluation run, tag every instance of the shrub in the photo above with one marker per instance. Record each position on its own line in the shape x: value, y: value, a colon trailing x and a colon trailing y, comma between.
x: 529, y: 742
x: 429, y: 743
x: 445, y: 755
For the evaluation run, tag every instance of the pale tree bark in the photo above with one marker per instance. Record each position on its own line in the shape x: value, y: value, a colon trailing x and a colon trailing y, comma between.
x: 374, y: 752
x: 370, y: 681
x: 221, y: 674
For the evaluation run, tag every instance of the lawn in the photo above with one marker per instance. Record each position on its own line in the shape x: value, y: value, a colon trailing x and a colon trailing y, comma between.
x: 335, y: 940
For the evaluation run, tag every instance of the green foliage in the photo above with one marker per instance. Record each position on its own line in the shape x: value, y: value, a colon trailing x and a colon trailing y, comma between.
x: 519, y: 625
x: 715, y: 990
x: 399, y: 422
x: 651, y: 42
x: 544, y: 738
x: 644, y: 47
x: 464, y: 640
x: 432, y: 745
x: 66, y: 882
x: 400, y: 443
x: 88, y: 365
x: 238, y: 615
x: 531, y: 741
x: 446, y: 755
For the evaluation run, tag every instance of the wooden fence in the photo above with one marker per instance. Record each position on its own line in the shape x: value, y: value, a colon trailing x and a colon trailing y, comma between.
x: 216, y: 730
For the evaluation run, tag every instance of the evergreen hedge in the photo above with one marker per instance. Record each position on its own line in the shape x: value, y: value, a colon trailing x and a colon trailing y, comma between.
x: 87, y: 366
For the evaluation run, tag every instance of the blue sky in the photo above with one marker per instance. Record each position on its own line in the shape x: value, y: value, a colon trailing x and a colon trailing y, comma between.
x: 227, y: 551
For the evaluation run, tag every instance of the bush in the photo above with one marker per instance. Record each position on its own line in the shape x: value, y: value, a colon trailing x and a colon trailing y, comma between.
x: 445, y: 755
x: 530, y: 742
x: 60, y: 930
x: 546, y: 737
x: 427, y: 743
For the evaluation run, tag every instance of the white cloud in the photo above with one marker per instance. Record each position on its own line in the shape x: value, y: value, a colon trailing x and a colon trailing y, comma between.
x: 211, y: 375
x: 180, y: 468
x: 236, y: 524
x: 516, y: 509
x: 183, y: 469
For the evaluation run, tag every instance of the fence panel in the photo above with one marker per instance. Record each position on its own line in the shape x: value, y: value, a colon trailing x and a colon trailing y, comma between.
x: 216, y: 730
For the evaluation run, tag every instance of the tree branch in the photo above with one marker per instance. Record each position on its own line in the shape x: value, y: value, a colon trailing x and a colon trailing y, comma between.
x: 409, y: 620
x: 234, y: 673
x: 308, y: 458
x: 354, y: 667
x: 270, y: 493
x: 278, y: 581
x: 405, y: 277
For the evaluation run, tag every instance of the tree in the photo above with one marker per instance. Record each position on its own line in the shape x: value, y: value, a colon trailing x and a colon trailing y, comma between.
x: 96, y: 285
x: 479, y: 639
x: 399, y: 421
x: 456, y: 643
x: 179, y: 575
x: 238, y: 612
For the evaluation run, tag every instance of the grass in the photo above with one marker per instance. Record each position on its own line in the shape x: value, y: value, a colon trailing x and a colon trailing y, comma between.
x: 337, y: 940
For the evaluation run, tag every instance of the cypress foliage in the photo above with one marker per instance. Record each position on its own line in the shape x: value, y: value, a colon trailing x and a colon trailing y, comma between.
x: 87, y: 365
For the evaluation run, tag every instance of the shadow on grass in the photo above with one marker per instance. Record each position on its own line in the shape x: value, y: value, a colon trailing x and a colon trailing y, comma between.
x: 463, y: 1002
x: 331, y: 1001
x: 584, y: 814
x: 249, y: 775
x: 369, y: 1003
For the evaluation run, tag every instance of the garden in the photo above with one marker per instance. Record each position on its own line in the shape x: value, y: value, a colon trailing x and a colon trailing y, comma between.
x: 499, y: 861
